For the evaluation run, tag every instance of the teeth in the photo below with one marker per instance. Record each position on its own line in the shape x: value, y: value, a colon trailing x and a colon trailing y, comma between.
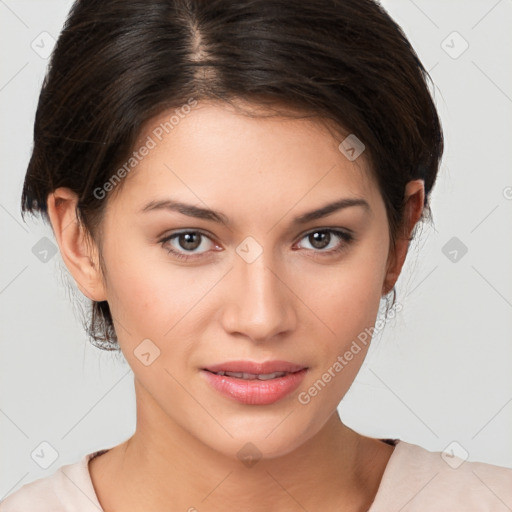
x: 236, y: 374
x: 267, y: 376
x: 249, y: 376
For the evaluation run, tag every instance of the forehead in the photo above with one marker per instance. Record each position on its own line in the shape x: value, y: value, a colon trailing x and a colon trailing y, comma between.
x: 213, y: 151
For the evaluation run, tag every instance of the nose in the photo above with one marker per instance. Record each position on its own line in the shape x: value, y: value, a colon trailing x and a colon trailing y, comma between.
x: 258, y: 303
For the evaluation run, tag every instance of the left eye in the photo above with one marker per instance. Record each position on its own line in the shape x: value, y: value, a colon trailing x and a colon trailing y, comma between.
x: 321, y: 240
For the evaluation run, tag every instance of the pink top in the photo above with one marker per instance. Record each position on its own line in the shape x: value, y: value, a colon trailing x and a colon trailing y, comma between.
x: 414, y: 480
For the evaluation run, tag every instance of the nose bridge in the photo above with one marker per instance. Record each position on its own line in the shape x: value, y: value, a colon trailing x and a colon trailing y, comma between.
x: 260, y: 306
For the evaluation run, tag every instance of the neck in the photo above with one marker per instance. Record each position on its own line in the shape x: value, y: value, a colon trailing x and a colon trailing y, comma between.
x: 160, y: 466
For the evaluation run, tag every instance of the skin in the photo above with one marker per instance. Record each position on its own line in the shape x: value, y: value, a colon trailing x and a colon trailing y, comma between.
x: 293, y: 303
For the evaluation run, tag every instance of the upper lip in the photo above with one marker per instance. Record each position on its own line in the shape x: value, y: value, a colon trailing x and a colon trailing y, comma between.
x: 254, y: 367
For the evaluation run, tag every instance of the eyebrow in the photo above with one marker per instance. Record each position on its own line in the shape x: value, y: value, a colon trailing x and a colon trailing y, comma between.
x: 215, y: 216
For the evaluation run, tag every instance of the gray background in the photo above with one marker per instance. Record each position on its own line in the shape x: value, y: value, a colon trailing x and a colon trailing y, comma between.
x: 439, y: 372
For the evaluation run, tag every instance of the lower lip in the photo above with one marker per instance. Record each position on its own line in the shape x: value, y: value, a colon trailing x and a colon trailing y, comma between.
x: 255, y: 391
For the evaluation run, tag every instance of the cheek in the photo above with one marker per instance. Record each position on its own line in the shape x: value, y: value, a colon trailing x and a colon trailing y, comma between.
x: 346, y: 299
x: 158, y: 300
x: 139, y: 293
x: 346, y: 302
x: 350, y: 314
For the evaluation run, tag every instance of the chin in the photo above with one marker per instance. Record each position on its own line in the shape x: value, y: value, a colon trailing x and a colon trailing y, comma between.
x: 265, y: 439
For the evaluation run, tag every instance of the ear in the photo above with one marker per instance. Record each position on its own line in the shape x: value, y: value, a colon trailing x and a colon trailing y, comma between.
x: 77, y: 248
x: 414, y: 198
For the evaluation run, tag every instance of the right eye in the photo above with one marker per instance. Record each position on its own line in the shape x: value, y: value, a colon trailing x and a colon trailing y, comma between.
x: 185, y: 241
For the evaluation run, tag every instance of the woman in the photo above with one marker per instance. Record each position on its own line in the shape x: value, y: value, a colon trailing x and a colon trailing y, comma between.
x: 234, y: 185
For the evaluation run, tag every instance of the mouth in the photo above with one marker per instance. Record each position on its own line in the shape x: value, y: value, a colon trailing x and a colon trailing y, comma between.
x: 252, y: 376
x: 254, y: 368
x: 252, y: 383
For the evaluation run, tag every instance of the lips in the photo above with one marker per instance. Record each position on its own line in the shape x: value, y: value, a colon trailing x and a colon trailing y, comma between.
x: 255, y: 383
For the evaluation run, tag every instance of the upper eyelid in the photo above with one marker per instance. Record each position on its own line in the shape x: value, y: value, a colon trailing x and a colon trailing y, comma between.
x: 174, y: 234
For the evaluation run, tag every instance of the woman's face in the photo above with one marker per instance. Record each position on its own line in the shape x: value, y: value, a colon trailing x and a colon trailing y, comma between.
x: 263, y: 280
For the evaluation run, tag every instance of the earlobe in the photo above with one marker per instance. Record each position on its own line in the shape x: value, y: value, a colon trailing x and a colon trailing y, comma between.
x: 414, y: 203
x: 76, y: 247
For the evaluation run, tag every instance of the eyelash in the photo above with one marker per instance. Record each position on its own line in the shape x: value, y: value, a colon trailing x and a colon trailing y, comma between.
x: 346, y: 237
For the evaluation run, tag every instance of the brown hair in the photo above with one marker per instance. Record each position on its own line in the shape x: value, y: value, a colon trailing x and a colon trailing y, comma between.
x: 119, y: 63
